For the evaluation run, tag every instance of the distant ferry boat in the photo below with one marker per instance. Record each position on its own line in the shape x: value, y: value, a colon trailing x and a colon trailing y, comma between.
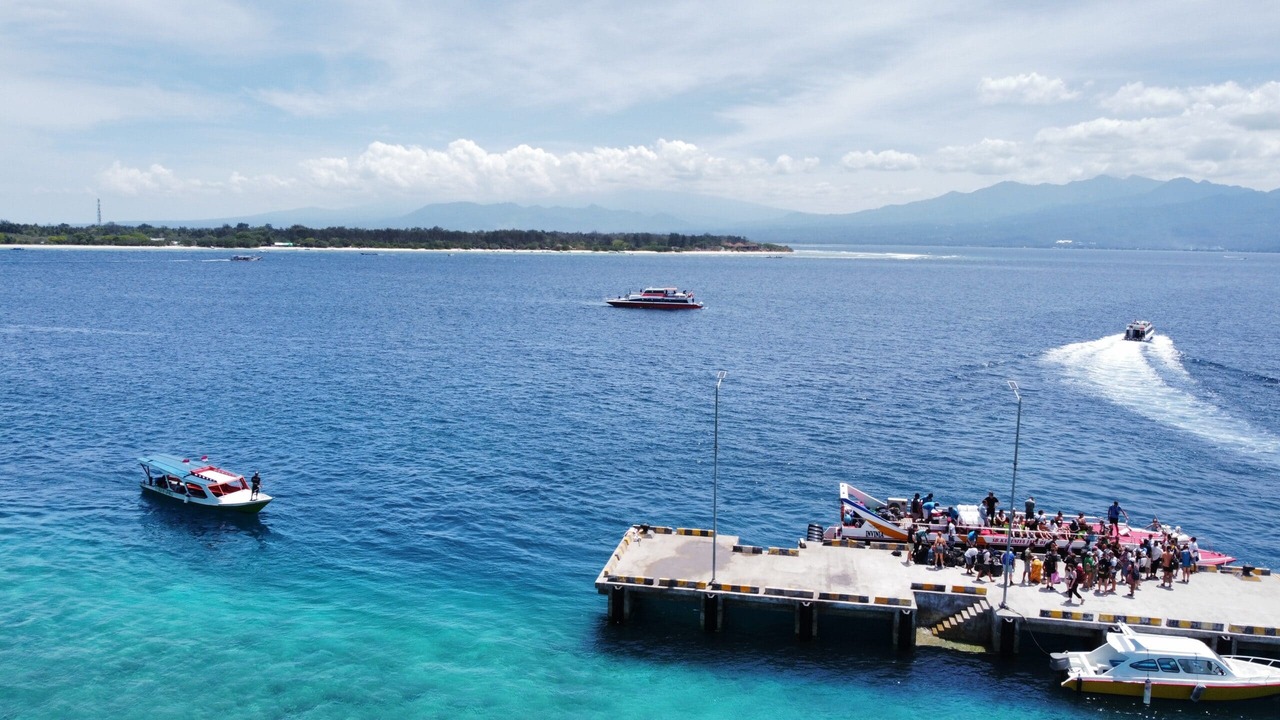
x: 655, y: 298
x: 198, y: 483
x: 1140, y: 331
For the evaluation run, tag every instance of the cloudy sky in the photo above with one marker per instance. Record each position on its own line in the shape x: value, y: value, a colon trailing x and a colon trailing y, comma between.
x: 189, y: 109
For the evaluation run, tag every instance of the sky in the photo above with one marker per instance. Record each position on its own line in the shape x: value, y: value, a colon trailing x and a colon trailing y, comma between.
x: 197, y: 109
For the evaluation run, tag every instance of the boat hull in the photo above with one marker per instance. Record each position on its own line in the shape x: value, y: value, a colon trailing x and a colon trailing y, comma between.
x: 251, y: 506
x: 1171, y: 691
x: 654, y: 306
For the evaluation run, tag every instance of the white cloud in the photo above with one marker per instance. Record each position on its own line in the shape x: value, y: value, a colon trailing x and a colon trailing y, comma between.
x: 883, y: 160
x: 989, y: 157
x: 157, y: 179
x: 787, y: 165
x: 1138, y: 98
x: 136, y: 181
x: 465, y: 169
x: 1028, y: 88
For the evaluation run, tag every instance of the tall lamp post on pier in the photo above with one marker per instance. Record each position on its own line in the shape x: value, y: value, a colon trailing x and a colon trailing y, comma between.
x: 715, y: 477
x: 1013, y: 486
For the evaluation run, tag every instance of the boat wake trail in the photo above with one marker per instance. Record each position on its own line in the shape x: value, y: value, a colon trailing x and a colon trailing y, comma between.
x: 1150, y: 379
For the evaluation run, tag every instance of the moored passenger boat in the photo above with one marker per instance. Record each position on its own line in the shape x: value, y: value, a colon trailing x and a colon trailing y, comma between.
x: 199, y: 483
x: 1166, y: 666
x: 864, y: 517
x: 1140, y: 331
x: 657, y: 298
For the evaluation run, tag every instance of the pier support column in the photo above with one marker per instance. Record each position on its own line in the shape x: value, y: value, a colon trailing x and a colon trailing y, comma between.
x: 1225, y: 645
x: 619, y: 605
x: 904, y: 629
x: 712, y: 615
x: 1007, y: 630
x: 806, y: 620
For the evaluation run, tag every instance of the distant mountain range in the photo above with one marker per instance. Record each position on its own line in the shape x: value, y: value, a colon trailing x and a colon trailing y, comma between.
x: 1104, y: 212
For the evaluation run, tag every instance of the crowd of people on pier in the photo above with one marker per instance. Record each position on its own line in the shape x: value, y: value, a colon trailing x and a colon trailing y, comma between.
x: 1079, y: 554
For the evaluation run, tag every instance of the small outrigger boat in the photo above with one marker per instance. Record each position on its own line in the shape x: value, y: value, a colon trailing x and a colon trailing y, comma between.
x: 1140, y: 331
x: 245, y: 258
x: 863, y: 517
x: 1166, y: 666
x: 198, y: 483
x: 657, y: 298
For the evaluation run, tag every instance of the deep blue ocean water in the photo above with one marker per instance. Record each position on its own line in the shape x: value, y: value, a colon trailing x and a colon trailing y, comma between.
x: 457, y: 441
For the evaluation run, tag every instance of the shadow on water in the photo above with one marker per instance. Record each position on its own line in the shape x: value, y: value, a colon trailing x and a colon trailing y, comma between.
x: 157, y: 513
x: 857, y: 654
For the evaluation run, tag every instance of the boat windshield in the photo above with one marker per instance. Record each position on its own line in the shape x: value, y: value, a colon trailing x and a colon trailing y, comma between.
x: 227, y: 488
x: 1200, y: 666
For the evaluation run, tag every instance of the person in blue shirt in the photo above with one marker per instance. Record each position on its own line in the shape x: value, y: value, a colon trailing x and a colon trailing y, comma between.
x: 1113, y: 515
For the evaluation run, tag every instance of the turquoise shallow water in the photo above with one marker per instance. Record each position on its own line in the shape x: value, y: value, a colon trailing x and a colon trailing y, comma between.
x: 457, y: 442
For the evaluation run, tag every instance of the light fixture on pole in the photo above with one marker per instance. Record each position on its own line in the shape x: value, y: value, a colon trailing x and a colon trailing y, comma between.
x: 715, y: 477
x: 1013, y: 487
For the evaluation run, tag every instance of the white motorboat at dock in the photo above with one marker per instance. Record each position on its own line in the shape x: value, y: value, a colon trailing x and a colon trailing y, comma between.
x: 1148, y: 665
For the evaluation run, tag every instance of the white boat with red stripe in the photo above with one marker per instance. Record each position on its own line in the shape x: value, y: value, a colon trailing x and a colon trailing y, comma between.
x: 199, y: 483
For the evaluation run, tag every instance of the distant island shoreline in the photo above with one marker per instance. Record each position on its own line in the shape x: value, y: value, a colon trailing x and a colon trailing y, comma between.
x: 368, y: 250
x: 244, y: 237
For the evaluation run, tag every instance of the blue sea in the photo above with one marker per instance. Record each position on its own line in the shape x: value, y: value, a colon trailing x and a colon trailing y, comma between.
x: 457, y: 441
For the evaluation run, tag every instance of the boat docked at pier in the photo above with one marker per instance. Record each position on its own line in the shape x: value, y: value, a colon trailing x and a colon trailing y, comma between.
x: 1140, y: 331
x: 199, y: 483
x: 657, y: 298
x: 1147, y: 665
x: 864, y: 517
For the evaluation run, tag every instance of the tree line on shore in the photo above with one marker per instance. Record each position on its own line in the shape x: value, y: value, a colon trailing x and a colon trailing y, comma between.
x: 435, y: 238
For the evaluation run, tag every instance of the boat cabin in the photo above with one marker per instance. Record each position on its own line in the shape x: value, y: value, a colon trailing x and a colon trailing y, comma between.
x: 1139, y: 331
x: 199, y: 483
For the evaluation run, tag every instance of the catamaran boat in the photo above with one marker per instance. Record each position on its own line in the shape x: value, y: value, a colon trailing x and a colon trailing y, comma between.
x: 1166, y: 666
x: 1140, y: 331
x: 657, y: 298
x: 199, y: 483
x: 863, y: 517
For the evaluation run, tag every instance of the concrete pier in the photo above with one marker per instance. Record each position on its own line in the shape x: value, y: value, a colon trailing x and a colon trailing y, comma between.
x: 1229, y: 608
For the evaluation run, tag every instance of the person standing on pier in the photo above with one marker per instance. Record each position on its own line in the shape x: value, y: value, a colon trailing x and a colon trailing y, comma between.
x: 1133, y: 576
x: 1075, y: 575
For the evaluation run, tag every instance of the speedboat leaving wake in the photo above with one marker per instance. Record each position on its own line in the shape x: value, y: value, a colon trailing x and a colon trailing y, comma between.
x: 1149, y: 378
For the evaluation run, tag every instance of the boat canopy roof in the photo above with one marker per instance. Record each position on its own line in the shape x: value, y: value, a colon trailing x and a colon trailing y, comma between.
x: 182, y: 467
x: 1127, y: 641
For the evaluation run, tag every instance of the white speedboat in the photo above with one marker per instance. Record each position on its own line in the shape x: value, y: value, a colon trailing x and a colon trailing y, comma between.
x: 1140, y: 331
x: 1166, y: 666
x: 199, y: 483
